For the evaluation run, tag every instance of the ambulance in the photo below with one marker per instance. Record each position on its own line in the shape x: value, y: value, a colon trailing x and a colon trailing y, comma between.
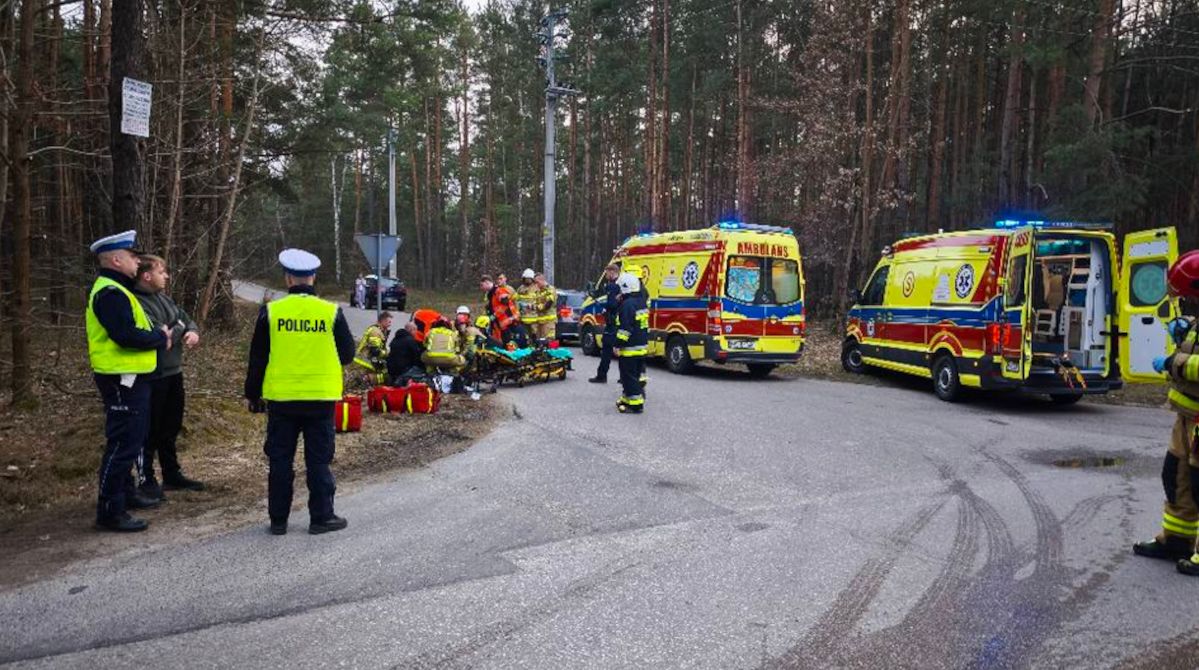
x: 1040, y: 306
x: 732, y: 293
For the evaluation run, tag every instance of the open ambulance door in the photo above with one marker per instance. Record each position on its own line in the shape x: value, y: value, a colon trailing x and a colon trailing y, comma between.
x: 1144, y: 304
x: 1016, y: 333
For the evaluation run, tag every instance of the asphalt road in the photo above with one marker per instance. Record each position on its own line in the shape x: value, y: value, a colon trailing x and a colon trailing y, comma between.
x: 738, y: 523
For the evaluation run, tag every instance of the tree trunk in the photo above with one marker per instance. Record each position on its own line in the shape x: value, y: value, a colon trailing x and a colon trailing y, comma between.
x: 177, y: 160
x: 1099, y: 39
x: 464, y: 165
x: 128, y: 163
x: 22, y: 304
x: 689, y: 156
x: 1011, y: 102
x: 662, y: 206
x: 422, y: 251
x: 867, y: 236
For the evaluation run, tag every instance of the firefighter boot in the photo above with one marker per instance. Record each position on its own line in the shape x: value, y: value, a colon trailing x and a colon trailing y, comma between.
x: 630, y: 405
x: 1189, y: 566
x: 1173, y: 549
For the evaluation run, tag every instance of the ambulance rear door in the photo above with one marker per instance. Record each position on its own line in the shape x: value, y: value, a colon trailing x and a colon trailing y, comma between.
x: 1016, y: 331
x: 1144, y: 304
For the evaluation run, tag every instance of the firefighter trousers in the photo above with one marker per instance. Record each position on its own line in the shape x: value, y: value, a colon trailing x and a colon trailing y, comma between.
x: 1180, y: 478
x: 632, y: 368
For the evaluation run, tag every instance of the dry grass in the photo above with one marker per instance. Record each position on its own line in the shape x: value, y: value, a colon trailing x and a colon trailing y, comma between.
x: 49, y: 455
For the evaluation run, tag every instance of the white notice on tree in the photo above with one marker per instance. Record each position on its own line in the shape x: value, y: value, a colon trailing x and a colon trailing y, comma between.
x: 135, y: 107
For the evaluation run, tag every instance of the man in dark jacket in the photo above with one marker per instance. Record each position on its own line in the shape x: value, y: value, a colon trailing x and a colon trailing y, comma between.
x: 403, y: 359
x: 166, y: 382
x: 632, y: 344
x: 609, y: 293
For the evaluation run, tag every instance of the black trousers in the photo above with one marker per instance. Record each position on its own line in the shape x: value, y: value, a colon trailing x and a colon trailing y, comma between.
x: 606, y: 341
x: 285, y: 423
x: 126, y: 423
x: 631, y: 370
x: 166, y: 420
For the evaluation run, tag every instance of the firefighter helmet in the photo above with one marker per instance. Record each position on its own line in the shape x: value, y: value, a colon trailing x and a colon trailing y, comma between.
x: 628, y: 283
x: 1184, y: 275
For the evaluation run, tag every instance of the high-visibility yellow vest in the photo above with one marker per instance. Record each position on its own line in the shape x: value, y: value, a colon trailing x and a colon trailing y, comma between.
x: 1184, y: 392
x: 108, y: 357
x: 303, y: 363
x: 441, y: 343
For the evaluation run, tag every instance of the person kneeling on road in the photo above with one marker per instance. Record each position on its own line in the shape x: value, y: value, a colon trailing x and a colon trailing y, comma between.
x: 403, y: 360
x: 1179, y: 536
x: 371, y: 355
x: 441, y: 349
x: 297, y: 353
x: 632, y: 340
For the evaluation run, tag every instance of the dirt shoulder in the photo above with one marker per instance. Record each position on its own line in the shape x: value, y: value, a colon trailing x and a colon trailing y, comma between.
x: 822, y: 360
x: 49, y: 456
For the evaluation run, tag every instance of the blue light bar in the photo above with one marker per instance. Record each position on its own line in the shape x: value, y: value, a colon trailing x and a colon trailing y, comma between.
x: 756, y: 227
x: 1053, y: 225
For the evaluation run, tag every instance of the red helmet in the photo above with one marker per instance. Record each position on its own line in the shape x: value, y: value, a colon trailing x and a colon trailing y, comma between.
x: 1184, y: 275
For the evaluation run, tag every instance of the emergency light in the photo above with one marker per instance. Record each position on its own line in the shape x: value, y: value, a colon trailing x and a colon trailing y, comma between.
x: 1053, y: 225
x: 756, y: 227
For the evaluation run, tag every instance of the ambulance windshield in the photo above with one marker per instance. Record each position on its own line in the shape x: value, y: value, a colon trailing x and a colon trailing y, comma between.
x: 757, y: 280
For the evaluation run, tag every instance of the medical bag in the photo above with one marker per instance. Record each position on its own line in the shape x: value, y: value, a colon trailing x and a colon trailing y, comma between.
x: 421, y: 399
x: 347, y: 414
x: 386, y: 399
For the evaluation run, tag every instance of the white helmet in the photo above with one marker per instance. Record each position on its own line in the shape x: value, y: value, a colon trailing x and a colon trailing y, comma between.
x: 528, y: 274
x: 628, y: 283
x: 463, y: 309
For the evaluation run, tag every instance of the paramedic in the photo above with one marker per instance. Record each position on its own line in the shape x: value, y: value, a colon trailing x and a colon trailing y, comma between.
x: 501, y: 306
x: 297, y: 352
x: 1180, y: 472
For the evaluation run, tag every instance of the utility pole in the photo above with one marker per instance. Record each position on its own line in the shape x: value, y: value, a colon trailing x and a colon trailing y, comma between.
x: 548, y: 36
x: 391, y: 195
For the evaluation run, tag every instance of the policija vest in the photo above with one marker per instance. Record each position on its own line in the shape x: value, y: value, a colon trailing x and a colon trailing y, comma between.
x: 303, y: 363
x: 108, y: 357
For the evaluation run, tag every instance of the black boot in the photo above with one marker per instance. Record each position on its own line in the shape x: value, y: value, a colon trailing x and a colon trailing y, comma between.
x: 151, y: 489
x: 141, y: 501
x: 328, y: 525
x: 598, y: 380
x: 176, y: 481
x: 1172, y: 549
x: 278, y: 526
x: 1188, y: 566
x: 122, y: 524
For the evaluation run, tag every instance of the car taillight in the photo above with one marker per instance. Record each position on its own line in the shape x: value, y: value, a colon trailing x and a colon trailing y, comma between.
x: 565, y: 312
x: 714, y: 322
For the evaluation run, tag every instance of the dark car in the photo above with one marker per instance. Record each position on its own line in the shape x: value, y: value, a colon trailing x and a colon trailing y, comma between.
x: 569, y: 304
x: 395, y: 294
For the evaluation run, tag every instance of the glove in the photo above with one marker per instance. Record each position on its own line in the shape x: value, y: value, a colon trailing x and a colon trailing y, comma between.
x: 1177, y: 329
x: 256, y: 405
x: 1160, y: 363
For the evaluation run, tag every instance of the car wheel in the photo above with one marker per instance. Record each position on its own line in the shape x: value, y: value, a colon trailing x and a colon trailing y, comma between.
x: 1064, y: 400
x: 678, y: 359
x: 760, y: 370
x: 402, y: 306
x: 946, y: 382
x: 587, y: 341
x: 851, y: 358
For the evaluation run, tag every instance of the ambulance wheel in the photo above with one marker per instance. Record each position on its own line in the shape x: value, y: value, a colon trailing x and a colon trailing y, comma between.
x: 678, y: 359
x: 946, y: 382
x: 851, y: 358
x: 1063, y: 400
x: 760, y: 370
x: 587, y: 341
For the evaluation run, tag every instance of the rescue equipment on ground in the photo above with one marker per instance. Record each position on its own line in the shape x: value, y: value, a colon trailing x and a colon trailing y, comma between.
x: 347, y: 414
x: 421, y: 399
x: 383, y: 399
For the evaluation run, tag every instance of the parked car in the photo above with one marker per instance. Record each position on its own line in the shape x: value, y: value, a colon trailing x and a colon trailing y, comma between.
x: 569, y: 304
x: 395, y: 294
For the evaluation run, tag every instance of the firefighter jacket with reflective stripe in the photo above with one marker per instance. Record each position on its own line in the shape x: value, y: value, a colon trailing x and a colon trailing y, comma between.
x: 526, y: 302
x: 1183, y: 369
x: 441, y: 344
x: 373, y: 347
x: 303, y: 363
x: 106, y: 355
x: 547, y: 304
x: 502, y: 305
x: 632, y: 326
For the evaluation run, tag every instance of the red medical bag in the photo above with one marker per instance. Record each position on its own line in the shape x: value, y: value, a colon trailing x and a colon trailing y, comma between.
x: 347, y: 414
x: 386, y: 399
x: 422, y: 399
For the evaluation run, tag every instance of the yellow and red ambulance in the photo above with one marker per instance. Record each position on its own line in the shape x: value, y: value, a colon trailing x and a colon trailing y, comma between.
x: 732, y: 293
x: 1041, y: 306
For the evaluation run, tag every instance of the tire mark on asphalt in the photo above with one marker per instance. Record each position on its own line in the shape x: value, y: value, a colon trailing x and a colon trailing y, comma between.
x: 839, y: 619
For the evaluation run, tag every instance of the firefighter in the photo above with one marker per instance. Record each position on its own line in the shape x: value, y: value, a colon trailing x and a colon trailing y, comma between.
x: 632, y: 339
x: 545, y: 302
x: 441, y: 349
x: 609, y: 293
x: 122, y: 349
x: 501, y: 306
x: 372, y: 350
x: 299, y: 346
x: 526, y: 302
x: 1180, y: 472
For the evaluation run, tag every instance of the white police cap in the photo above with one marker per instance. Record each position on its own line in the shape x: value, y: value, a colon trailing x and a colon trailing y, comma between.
x: 299, y: 263
x: 527, y: 274
x: 125, y: 240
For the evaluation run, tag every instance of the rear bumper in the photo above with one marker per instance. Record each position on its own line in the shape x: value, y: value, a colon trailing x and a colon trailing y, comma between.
x: 714, y: 353
x: 1041, y: 380
x: 566, y: 330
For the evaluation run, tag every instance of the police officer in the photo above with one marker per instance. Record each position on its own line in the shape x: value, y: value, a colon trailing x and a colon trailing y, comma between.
x: 1180, y: 472
x: 299, y: 346
x: 632, y: 339
x: 609, y: 293
x: 122, y: 348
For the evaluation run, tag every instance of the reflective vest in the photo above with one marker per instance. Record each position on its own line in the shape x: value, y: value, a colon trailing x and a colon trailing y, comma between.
x: 108, y: 357
x: 1184, y: 376
x: 441, y: 344
x: 303, y: 363
x: 372, y: 346
x: 547, y: 304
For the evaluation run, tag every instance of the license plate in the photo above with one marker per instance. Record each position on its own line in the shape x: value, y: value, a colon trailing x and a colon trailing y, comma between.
x: 742, y: 344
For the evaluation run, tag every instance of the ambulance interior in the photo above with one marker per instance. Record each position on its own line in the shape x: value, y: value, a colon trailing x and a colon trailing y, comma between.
x: 1070, y: 301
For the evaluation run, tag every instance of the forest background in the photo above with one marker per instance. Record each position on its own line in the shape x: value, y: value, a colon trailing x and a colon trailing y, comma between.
x: 852, y: 121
